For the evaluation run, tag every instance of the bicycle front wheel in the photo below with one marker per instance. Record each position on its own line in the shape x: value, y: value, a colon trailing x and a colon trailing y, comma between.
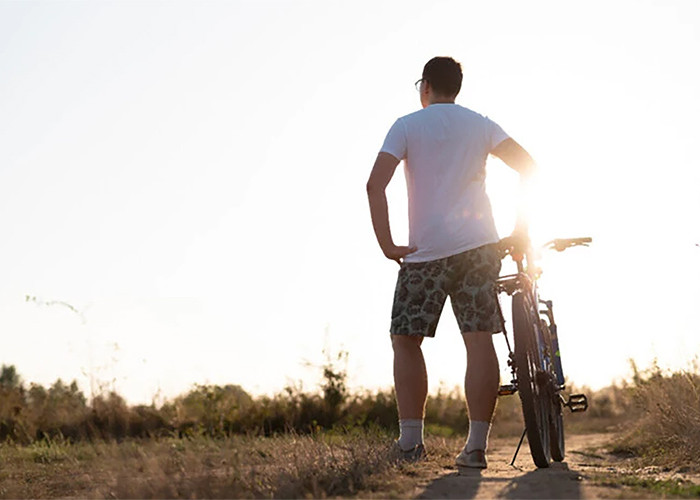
x: 532, y: 384
x: 556, y: 421
x: 557, y: 433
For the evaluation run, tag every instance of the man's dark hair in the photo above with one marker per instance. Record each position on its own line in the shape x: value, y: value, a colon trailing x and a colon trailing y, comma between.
x: 444, y: 74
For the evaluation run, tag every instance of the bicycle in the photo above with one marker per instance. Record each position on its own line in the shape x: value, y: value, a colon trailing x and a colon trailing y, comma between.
x: 535, y: 361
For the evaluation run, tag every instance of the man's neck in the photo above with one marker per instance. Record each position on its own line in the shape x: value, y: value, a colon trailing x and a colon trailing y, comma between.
x: 441, y: 100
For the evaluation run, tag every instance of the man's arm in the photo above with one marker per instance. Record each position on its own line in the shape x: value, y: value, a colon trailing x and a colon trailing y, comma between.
x: 382, y: 172
x: 513, y: 155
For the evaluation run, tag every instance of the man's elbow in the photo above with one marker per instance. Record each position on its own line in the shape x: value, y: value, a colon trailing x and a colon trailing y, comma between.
x: 515, y: 156
x: 522, y: 163
x: 527, y: 168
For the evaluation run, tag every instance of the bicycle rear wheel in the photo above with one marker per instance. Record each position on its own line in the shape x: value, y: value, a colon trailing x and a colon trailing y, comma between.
x: 533, y: 389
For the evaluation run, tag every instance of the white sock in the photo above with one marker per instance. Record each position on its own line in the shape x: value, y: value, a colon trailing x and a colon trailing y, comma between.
x: 411, y: 433
x: 478, y: 438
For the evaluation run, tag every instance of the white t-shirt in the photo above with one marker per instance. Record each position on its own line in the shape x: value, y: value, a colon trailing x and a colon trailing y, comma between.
x: 445, y: 147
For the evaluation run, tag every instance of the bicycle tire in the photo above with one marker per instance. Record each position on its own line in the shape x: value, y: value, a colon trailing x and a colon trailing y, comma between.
x: 534, y: 395
x: 556, y: 433
x: 556, y: 421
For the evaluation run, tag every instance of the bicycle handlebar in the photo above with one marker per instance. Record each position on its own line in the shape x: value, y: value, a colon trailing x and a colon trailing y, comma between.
x: 517, y: 246
x: 561, y: 244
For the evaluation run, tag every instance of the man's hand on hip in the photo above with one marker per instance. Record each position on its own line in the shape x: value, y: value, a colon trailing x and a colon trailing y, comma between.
x: 397, y: 253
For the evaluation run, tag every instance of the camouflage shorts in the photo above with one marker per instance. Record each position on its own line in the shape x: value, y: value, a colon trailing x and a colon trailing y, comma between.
x: 469, y: 280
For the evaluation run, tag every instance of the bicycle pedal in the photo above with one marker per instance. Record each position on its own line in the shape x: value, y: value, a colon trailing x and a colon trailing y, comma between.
x: 577, y: 402
x: 507, y: 390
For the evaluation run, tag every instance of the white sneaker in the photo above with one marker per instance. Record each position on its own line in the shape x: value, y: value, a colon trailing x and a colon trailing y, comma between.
x: 475, y: 459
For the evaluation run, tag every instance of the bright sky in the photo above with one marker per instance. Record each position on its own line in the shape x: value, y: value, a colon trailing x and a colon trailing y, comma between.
x: 190, y: 177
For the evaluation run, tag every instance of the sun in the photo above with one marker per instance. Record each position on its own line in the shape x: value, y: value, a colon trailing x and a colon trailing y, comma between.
x: 536, y: 198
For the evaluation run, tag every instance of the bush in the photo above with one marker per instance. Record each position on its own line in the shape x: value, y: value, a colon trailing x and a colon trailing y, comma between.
x: 665, y: 407
x: 59, y: 411
x: 668, y: 428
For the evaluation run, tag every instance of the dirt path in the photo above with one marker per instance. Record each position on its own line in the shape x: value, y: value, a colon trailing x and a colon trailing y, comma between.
x: 589, y: 471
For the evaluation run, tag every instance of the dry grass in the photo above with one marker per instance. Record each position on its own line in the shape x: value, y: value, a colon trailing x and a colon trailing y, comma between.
x: 288, y: 466
x: 661, y: 413
x: 210, y: 443
x: 667, y: 431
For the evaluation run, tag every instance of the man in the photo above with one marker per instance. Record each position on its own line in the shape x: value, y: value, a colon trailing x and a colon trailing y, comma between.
x: 452, y: 249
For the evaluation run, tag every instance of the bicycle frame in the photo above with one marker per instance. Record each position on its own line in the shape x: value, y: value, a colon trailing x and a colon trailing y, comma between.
x: 525, y: 281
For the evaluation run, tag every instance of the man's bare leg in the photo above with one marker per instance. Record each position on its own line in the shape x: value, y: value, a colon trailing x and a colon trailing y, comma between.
x: 411, y: 384
x: 480, y: 386
x: 410, y: 376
